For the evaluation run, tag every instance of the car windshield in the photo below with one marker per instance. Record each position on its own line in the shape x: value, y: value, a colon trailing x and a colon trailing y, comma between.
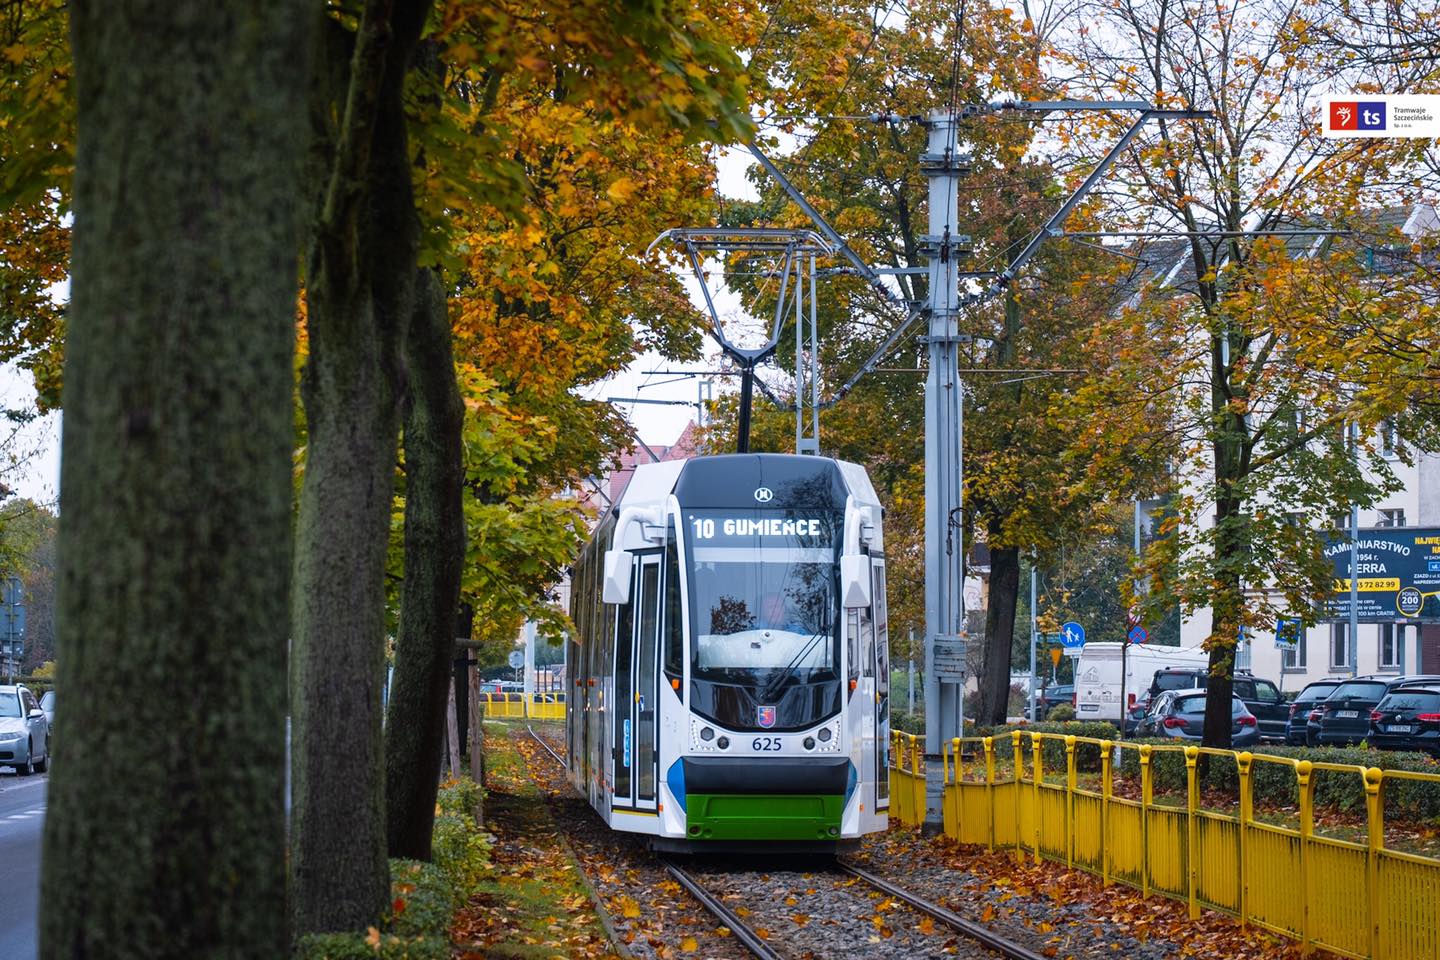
x: 765, y: 605
x: 10, y: 704
x: 1177, y: 681
x: 1316, y: 691
x: 1421, y: 701
x: 1196, y: 705
x: 1359, y: 689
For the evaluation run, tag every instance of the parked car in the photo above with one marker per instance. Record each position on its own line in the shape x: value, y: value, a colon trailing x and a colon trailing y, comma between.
x: 1261, y: 697
x: 1408, y: 718
x: 1301, y: 706
x: 1343, y: 718
x: 1180, y: 714
x: 1052, y: 696
x: 24, y: 731
x: 47, y: 703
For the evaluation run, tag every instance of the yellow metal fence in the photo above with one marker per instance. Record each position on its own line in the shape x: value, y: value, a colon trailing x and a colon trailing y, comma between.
x: 1356, y: 899
x: 523, y: 706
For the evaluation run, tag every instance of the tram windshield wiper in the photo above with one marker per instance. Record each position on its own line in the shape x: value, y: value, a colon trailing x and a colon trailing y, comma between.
x: 774, y: 685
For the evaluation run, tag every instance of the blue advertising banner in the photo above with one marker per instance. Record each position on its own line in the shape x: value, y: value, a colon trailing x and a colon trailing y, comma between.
x: 1398, y: 574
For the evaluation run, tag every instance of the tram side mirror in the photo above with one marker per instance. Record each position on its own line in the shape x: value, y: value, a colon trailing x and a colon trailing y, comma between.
x: 617, y: 576
x: 855, y: 580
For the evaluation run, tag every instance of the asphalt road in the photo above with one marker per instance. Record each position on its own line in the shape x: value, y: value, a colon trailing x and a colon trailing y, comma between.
x: 22, y: 820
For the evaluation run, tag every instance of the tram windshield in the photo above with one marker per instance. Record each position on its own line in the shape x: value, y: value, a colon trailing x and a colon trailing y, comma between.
x: 763, y: 606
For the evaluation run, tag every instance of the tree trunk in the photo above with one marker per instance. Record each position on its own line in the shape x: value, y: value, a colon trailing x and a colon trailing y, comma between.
x: 1230, y: 451
x: 360, y: 288
x: 999, y: 634
x: 430, y: 595
x: 165, y: 832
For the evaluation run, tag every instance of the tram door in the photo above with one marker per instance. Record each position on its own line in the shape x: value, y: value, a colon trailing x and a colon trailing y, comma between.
x: 636, y: 642
x: 882, y: 686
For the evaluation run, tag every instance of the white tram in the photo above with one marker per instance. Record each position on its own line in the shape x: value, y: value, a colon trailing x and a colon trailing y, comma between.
x: 731, y: 669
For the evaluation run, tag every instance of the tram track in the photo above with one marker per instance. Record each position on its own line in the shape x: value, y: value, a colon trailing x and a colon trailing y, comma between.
x: 756, y: 942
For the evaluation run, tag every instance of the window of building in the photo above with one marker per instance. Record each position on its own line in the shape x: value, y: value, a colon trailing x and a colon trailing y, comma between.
x: 1391, y: 518
x: 1389, y: 440
x: 1392, y: 645
x: 1295, y: 658
x: 1339, y: 646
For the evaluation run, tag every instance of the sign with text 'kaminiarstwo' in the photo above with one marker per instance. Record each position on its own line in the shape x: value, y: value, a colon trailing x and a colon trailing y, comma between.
x: 1397, y: 574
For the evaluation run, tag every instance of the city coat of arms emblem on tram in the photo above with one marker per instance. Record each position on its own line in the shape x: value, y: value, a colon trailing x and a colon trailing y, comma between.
x: 766, y: 716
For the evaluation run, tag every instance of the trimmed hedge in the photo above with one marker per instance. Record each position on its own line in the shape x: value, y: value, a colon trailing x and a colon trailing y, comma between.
x: 1275, y: 784
x: 1087, y: 755
x: 424, y: 896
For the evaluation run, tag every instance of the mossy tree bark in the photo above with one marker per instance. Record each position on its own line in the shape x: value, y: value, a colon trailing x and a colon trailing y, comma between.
x: 165, y: 836
x: 430, y: 595
x: 360, y: 290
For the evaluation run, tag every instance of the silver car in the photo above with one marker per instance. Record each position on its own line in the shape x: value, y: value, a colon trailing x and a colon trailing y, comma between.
x: 1180, y: 715
x: 24, y: 731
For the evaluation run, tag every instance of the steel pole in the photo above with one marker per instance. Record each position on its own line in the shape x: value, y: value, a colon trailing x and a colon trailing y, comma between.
x: 1034, y: 638
x: 747, y: 395
x: 1354, y: 653
x: 944, y: 541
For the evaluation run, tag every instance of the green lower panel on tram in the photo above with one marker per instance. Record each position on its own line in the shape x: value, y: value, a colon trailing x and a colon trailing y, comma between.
x: 763, y: 817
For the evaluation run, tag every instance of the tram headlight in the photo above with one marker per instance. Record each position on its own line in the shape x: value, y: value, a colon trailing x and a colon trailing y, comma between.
x: 824, y: 734
x: 707, y: 734
x: 723, y: 743
x: 809, y: 743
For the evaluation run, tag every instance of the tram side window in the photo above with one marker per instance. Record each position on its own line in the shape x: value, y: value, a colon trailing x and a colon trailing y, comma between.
x: 674, y: 655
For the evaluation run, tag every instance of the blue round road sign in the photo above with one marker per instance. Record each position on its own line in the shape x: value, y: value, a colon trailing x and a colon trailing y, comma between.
x: 1072, y: 634
x: 1138, y: 635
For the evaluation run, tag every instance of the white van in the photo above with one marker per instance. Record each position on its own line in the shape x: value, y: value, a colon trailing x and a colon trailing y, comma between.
x: 1097, y: 675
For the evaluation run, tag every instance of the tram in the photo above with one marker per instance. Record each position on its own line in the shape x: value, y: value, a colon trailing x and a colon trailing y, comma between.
x: 731, y: 659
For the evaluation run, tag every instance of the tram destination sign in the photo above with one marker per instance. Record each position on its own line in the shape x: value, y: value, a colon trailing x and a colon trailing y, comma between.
x: 748, y: 528
x: 1398, y: 574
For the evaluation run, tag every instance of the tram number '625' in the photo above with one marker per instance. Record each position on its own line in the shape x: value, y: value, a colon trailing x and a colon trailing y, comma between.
x: 765, y: 743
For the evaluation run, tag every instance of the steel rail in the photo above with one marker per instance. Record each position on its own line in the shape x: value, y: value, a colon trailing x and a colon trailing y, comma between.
x: 975, y: 931
x: 724, y: 914
x: 548, y: 749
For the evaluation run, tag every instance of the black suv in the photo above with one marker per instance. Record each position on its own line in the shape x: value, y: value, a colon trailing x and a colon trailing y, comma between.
x: 1301, y: 706
x: 1343, y: 718
x: 1261, y: 697
x: 1408, y: 718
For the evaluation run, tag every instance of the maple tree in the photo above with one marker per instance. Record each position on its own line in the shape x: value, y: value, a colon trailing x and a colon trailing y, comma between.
x: 1020, y: 494
x: 175, y: 521
x: 36, y: 144
x: 1260, y: 349
x: 591, y: 123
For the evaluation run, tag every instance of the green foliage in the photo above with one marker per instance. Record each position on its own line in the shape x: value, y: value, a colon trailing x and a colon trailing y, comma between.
x: 461, y: 852
x: 424, y: 899
x: 1060, y: 713
x: 359, y: 946
x: 1087, y: 756
x: 457, y: 798
x: 1275, y: 784
x: 424, y: 896
x: 907, y: 722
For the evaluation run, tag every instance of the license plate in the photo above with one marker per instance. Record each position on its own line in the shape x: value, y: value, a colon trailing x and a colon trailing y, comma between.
x: 1400, y: 728
x: 1089, y: 707
x: 1347, y: 714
